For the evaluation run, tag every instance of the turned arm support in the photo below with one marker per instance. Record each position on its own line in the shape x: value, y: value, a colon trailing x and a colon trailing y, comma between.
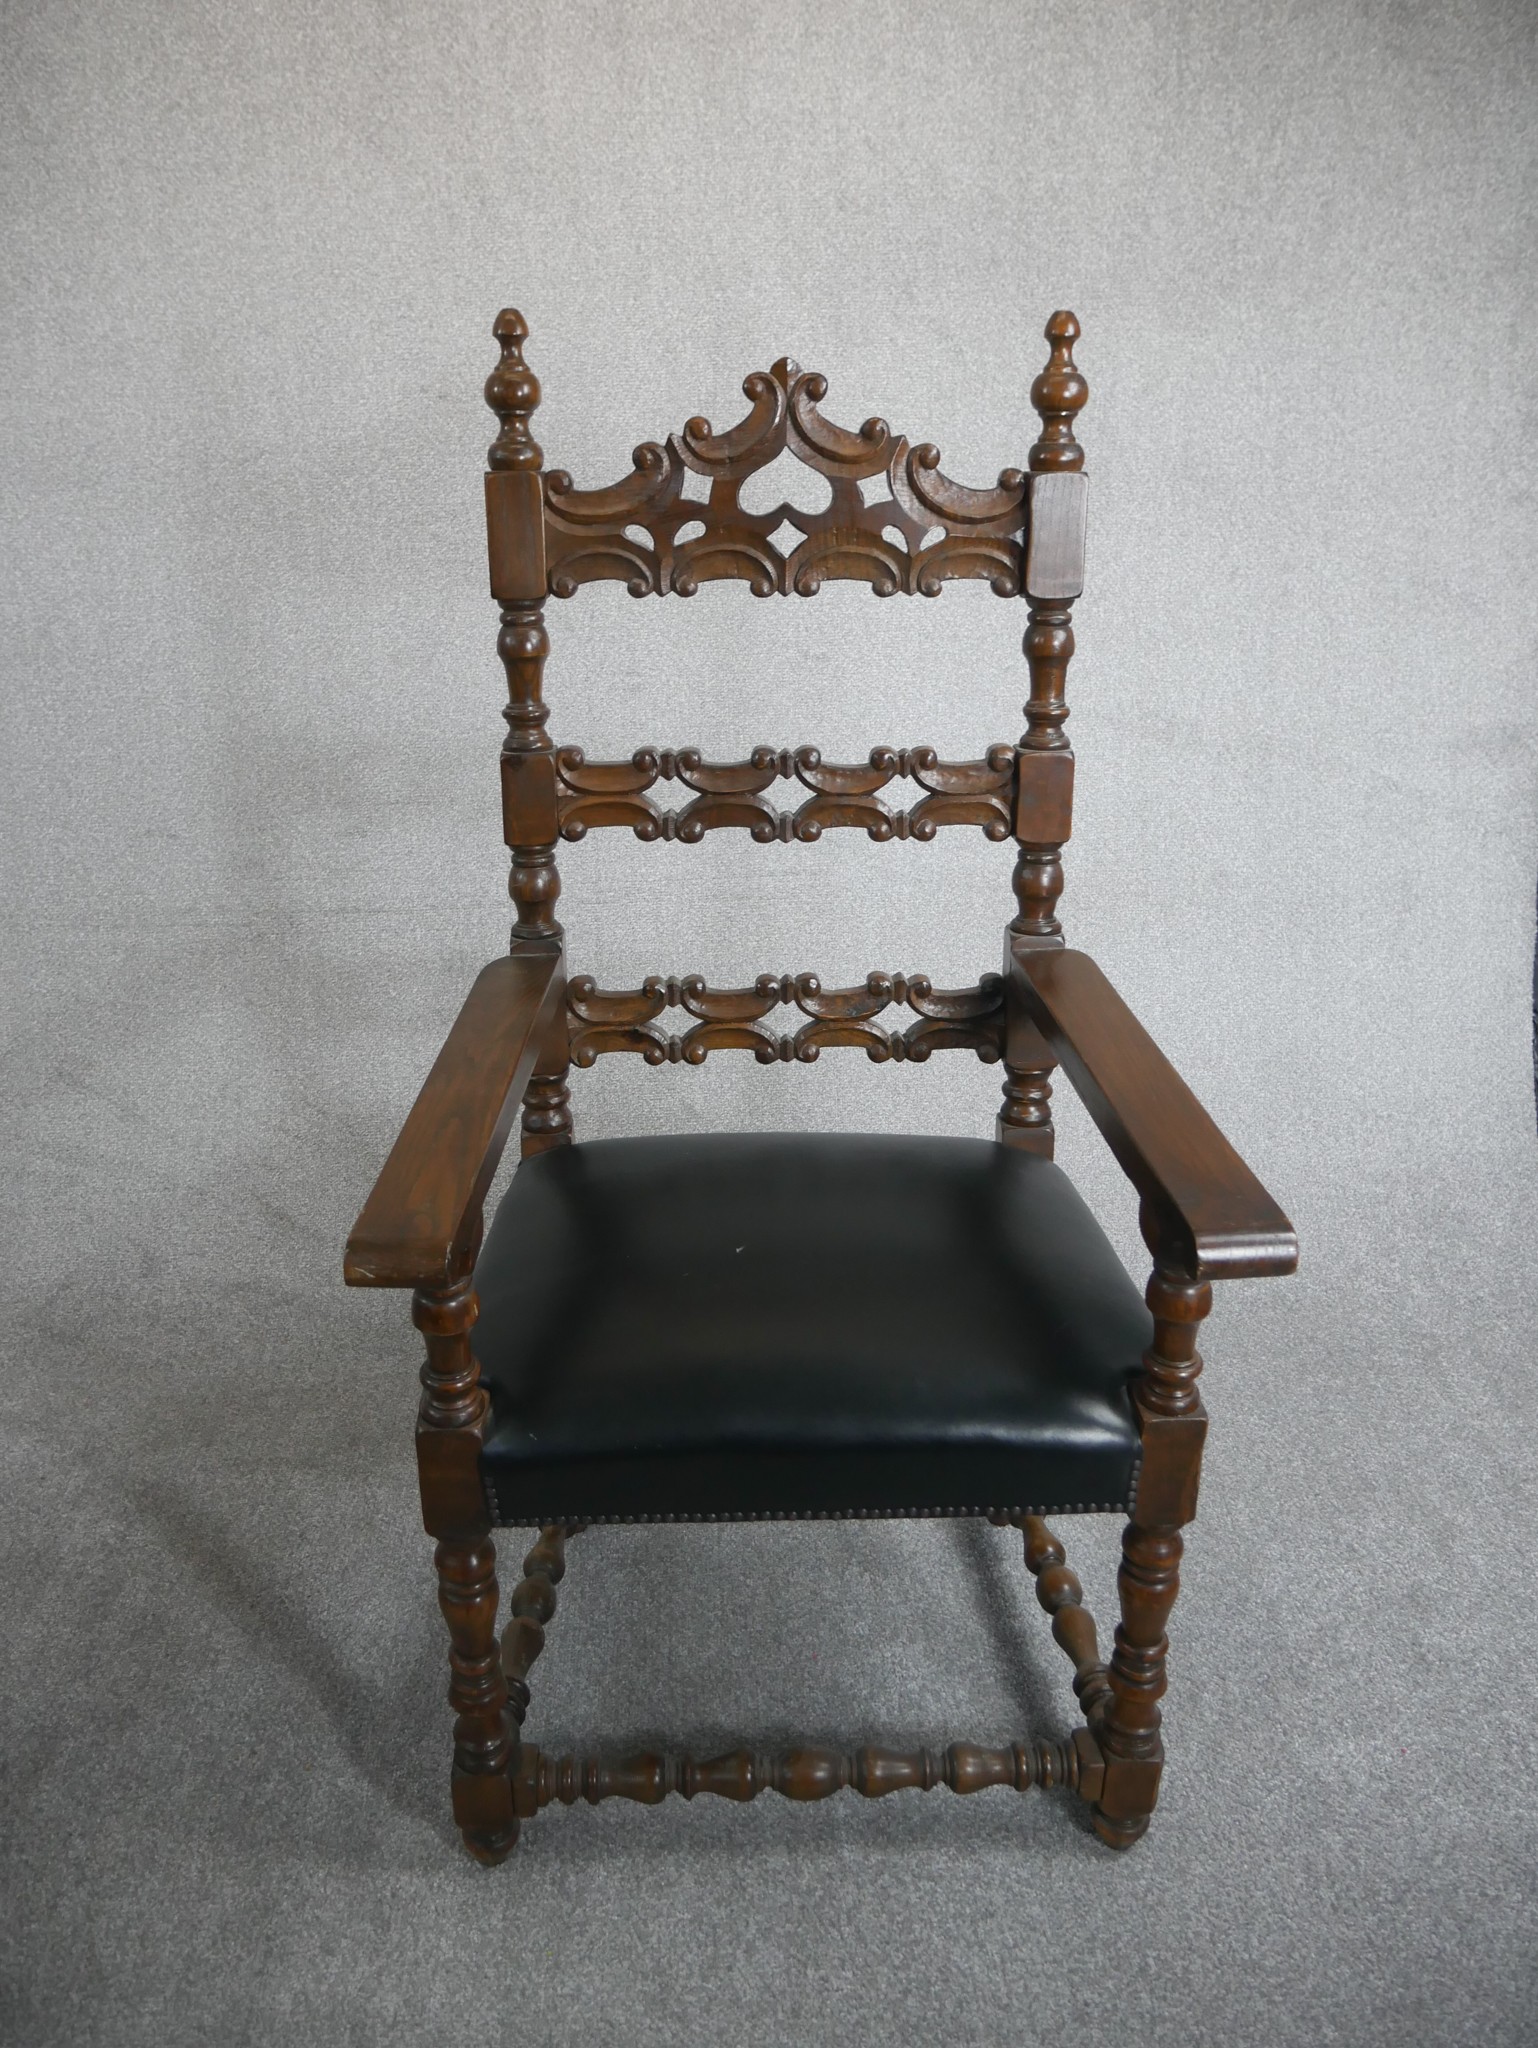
x: 421, y: 1224
x: 1203, y: 1210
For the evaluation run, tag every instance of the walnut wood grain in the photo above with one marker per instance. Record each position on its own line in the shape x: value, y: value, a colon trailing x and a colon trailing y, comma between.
x: 1054, y: 562
x: 800, y: 1774
x: 1059, y: 395
x: 451, y: 1415
x: 532, y: 1608
x: 451, y: 1420
x: 1073, y: 1627
x: 420, y: 1224
x: 615, y: 1020
x: 515, y: 542
x: 732, y: 793
x: 547, y: 1118
x: 481, y: 1788
x: 1053, y: 577
x: 1202, y: 1206
x: 1173, y: 1428
x: 886, y: 541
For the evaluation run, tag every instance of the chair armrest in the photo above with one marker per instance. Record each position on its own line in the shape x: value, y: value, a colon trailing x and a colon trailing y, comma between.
x: 1204, y: 1206
x: 418, y: 1227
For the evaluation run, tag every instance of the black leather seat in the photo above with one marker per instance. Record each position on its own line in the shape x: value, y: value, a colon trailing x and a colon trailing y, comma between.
x: 728, y: 1327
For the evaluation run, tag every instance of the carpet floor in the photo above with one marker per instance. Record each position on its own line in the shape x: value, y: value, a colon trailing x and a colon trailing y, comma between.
x: 226, y: 1743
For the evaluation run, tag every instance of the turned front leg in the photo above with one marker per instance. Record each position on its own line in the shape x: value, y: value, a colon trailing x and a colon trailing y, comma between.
x: 484, y: 1753
x: 450, y: 1424
x: 1173, y: 1426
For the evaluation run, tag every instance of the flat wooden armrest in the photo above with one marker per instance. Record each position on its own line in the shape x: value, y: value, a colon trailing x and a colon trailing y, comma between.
x: 1203, y: 1205
x: 418, y: 1227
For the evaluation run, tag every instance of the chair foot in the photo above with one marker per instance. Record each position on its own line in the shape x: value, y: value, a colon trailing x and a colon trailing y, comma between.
x: 1120, y: 1834
x: 490, y: 1850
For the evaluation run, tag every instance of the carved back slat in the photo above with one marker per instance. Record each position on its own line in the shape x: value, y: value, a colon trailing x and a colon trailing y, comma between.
x: 616, y: 1020
x: 728, y: 793
x: 980, y: 531
x: 895, y: 521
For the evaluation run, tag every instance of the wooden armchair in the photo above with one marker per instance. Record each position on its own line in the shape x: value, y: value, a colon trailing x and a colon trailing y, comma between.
x: 746, y: 1327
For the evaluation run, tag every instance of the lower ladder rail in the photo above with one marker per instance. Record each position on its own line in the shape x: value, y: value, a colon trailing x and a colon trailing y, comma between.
x: 1073, y: 1764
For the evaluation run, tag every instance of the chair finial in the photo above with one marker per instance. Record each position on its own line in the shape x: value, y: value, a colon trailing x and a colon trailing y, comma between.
x: 512, y: 392
x: 1057, y: 394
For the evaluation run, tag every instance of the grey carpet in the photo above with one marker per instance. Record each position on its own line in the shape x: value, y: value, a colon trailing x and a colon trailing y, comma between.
x: 251, y: 257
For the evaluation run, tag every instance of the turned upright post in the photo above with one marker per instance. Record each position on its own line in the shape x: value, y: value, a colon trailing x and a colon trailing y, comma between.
x: 1053, y: 577
x: 1173, y: 1426
x: 450, y: 1425
x: 515, y: 533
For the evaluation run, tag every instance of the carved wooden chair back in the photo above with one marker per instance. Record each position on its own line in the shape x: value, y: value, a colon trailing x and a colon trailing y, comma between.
x: 895, y: 522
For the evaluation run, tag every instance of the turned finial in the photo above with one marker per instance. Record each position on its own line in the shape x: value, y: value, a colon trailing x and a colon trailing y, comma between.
x: 512, y: 392
x: 1057, y: 394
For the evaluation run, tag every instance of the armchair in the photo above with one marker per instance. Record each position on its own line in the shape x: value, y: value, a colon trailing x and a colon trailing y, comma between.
x: 807, y: 1325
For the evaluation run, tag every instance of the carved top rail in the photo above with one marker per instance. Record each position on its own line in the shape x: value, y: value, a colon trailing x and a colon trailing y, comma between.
x: 603, y: 1020
x: 734, y: 793
x: 918, y: 531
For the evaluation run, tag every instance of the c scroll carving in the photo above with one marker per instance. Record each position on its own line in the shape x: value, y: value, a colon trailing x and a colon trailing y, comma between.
x: 727, y: 793
x: 625, y: 1020
x: 886, y: 543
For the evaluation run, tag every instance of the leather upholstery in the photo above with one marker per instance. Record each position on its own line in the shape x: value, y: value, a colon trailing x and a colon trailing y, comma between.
x: 742, y: 1326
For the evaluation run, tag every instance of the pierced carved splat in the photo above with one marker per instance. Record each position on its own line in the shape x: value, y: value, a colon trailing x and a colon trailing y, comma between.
x: 734, y: 793
x: 604, y: 1020
x: 923, y: 532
